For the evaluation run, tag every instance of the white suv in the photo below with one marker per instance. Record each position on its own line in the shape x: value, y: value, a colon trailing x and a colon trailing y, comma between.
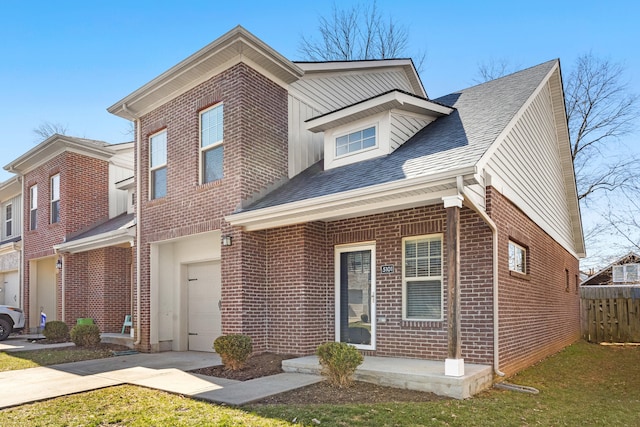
x: 11, y: 320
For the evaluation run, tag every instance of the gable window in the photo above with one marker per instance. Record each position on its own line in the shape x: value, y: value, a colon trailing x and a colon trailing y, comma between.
x: 517, y: 258
x: 158, y: 165
x: 33, y: 207
x: 55, y: 199
x: 211, y: 148
x: 8, y: 220
x: 422, y: 278
x: 356, y: 141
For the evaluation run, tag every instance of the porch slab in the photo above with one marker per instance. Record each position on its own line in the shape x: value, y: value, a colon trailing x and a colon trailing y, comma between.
x: 411, y: 374
x: 120, y: 339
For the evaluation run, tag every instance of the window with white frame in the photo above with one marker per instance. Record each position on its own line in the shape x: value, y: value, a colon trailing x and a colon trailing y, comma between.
x: 158, y: 165
x: 33, y: 207
x: 422, y: 278
x: 8, y: 220
x: 211, y: 148
x: 55, y: 198
x: 517, y: 258
x: 356, y: 141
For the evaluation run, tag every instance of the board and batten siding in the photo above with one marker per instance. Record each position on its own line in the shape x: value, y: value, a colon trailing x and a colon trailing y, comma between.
x: 16, y: 220
x: 526, y: 168
x: 118, y: 199
x: 331, y: 91
x: 305, y: 147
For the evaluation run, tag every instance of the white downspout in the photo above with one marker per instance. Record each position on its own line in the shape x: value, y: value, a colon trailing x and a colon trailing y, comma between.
x: 494, y: 232
x: 138, y: 239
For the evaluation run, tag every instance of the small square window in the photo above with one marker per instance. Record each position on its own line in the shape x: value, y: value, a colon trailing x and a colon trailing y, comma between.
x: 517, y: 258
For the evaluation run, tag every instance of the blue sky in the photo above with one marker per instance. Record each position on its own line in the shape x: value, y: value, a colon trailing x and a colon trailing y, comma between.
x: 67, y: 61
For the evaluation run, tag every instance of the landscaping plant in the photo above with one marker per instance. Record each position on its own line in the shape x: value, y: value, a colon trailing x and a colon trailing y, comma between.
x: 234, y: 350
x: 56, y: 331
x: 339, y: 361
x: 85, y: 335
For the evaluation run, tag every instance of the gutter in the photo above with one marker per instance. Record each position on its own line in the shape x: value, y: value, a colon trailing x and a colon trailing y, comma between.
x: 136, y: 120
x: 494, y: 232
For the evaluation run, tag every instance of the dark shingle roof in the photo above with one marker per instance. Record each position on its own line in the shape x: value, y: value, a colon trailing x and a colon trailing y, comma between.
x: 110, y: 225
x: 449, y: 143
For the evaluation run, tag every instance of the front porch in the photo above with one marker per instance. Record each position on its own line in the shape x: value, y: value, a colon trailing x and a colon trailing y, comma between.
x: 411, y: 374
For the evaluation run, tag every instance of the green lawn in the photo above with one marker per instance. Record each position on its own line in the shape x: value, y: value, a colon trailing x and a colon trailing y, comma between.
x: 53, y: 356
x: 585, y: 385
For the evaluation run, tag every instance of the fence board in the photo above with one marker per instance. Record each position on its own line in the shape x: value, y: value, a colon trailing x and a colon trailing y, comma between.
x: 610, y: 313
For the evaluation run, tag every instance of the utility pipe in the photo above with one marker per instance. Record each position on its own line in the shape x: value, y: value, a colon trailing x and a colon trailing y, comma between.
x: 138, y: 239
x: 494, y: 232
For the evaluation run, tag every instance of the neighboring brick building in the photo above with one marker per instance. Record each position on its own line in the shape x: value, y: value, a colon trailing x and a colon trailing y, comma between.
x: 68, y: 187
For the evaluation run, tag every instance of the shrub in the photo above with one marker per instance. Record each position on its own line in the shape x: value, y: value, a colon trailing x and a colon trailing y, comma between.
x: 85, y: 335
x: 56, y: 331
x: 234, y: 350
x: 339, y: 361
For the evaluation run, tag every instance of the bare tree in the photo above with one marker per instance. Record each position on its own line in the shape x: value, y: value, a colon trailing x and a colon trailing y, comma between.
x: 493, y: 69
x: 359, y: 32
x: 46, y: 129
x: 600, y: 110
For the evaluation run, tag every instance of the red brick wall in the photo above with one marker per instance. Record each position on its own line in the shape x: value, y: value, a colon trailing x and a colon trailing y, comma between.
x: 255, y: 157
x: 538, y: 317
x: 84, y: 199
x: 301, y: 273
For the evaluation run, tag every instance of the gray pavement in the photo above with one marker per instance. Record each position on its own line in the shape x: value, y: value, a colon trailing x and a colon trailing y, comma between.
x: 161, y: 371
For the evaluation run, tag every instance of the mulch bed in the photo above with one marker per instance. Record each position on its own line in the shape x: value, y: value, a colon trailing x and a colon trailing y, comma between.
x: 320, y: 393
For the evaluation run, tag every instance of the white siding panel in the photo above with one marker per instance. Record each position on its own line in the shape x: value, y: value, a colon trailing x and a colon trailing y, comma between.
x: 328, y: 93
x: 528, y: 164
x: 404, y: 127
x: 305, y: 147
x: 117, y: 198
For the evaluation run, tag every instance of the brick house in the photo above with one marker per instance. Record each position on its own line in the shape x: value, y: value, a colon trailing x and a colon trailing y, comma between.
x: 69, y: 189
x: 301, y: 203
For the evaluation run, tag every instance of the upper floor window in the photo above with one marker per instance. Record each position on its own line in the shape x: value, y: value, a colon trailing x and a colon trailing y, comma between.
x: 422, y: 278
x: 517, y: 258
x: 211, y: 148
x: 158, y: 165
x: 356, y: 141
x: 8, y: 220
x: 55, y: 199
x: 33, y: 207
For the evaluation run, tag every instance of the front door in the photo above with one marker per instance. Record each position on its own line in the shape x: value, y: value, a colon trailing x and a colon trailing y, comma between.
x: 205, y: 293
x: 355, y: 295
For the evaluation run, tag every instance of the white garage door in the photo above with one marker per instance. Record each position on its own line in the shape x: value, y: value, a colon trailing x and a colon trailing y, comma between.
x: 205, y: 296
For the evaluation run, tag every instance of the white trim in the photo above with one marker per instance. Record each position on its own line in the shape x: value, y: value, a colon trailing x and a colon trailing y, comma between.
x: 433, y: 236
x: 338, y: 250
x: 123, y: 236
x: 419, y: 191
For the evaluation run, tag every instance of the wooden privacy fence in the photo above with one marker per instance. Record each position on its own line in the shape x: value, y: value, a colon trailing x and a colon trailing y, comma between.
x: 610, y: 313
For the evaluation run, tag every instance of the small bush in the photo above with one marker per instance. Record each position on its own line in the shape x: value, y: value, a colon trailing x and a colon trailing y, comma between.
x: 234, y: 350
x: 56, y: 331
x: 339, y: 361
x: 85, y: 335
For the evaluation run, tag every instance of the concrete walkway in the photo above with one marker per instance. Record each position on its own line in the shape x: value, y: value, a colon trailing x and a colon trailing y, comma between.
x: 162, y: 371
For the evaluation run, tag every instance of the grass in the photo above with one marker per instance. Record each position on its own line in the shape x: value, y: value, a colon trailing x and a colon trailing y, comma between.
x: 54, y: 356
x: 583, y: 385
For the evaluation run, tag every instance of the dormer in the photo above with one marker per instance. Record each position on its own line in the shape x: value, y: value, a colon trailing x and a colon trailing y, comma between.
x: 374, y: 127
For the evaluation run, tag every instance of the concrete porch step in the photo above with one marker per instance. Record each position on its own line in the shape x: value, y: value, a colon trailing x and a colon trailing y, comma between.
x: 120, y: 339
x: 411, y: 374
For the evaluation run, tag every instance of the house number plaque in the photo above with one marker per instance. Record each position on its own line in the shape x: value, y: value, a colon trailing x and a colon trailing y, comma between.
x: 387, y: 269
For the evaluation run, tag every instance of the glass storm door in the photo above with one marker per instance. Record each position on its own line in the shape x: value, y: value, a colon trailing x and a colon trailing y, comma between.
x: 355, y: 295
